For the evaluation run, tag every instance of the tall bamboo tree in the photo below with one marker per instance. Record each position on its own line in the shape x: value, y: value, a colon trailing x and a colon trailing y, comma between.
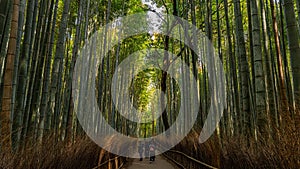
x: 59, y: 56
x: 293, y: 39
x: 260, y: 90
x: 5, y: 115
x: 243, y: 69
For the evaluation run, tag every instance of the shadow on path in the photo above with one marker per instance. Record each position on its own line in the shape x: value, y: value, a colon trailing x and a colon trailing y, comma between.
x: 159, y: 163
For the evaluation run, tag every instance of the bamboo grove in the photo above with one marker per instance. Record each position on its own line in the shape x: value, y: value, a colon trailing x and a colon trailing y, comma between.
x: 257, y: 41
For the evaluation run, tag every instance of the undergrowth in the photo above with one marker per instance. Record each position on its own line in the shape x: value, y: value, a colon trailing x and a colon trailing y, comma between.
x: 83, y: 153
x: 280, y: 150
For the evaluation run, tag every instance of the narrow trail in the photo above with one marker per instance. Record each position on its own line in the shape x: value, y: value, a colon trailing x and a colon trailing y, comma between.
x: 159, y: 163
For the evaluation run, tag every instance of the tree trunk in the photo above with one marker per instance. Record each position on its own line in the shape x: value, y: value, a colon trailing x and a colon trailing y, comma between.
x: 293, y: 39
x: 5, y: 22
x: 46, y: 79
x: 243, y: 69
x: 59, y: 56
x: 70, y: 109
x: 8, y: 79
x: 233, y: 67
x: 260, y: 90
x: 17, y: 116
x: 282, y: 89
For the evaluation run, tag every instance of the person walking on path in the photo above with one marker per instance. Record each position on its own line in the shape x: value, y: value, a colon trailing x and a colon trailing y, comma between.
x: 152, y: 151
x: 141, y: 150
x: 146, y: 149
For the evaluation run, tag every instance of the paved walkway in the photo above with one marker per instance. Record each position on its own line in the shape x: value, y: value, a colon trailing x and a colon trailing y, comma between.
x: 159, y: 163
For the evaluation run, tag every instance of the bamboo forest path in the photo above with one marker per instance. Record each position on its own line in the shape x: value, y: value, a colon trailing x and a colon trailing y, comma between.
x: 159, y: 163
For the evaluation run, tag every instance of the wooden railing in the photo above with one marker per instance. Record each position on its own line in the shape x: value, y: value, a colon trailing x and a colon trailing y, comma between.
x: 113, y: 163
x: 180, y: 164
